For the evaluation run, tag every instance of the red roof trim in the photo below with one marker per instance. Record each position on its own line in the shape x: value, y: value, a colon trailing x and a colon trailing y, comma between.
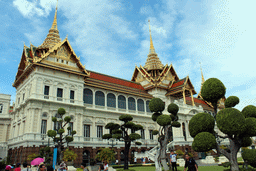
x: 178, y: 84
x: 110, y: 79
x: 197, y: 100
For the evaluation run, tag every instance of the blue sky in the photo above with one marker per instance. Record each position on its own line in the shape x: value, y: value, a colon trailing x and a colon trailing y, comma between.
x: 112, y: 36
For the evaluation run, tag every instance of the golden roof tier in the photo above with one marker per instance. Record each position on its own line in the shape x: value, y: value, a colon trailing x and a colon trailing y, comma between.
x: 153, y: 62
x: 53, y: 36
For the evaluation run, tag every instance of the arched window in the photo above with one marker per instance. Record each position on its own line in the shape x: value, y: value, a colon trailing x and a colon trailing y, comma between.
x: 140, y: 104
x: 184, y: 131
x: 111, y: 100
x: 121, y: 102
x: 147, y: 106
x: 99, y: 98
x: 131, y: 103
x: 88, y: 96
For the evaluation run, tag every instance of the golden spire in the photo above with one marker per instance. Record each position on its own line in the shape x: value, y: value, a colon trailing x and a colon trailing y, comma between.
x: 153, y: 62
x: 53, y: 36
x: 199, y: 95
x: 201, y: 73
x: 54, y: 24
x: 151, y: 49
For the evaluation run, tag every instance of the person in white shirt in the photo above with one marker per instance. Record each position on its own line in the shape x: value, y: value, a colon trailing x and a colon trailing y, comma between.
x: 135, y: 160
x: 105, y: 166
x: 173, y: 158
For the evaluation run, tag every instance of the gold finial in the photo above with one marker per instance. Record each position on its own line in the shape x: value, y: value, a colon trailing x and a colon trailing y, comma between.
x: 53, y: 36
x: 54, y: 24
x: 151, y: 49
x: 201, y: 73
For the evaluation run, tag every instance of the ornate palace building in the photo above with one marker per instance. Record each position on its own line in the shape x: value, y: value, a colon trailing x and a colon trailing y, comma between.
x: 51, y: 76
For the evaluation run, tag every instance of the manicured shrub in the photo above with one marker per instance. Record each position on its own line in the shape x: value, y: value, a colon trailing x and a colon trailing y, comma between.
x: 155, y: 116
x: 61, y: 111
x: 246, y: 141
x: 231, y: 101
x: 176, y: 124
x: 201, y: 122
x: 231, y: 121
x: 126, y: 118
x: 203, y: 142
x: 250, y: 156
x: 213, y: 89
x: 106, y: 136
x: 156, y: 105
x: 173, y: 108
x: 164, y: 120
x: 249, y: 111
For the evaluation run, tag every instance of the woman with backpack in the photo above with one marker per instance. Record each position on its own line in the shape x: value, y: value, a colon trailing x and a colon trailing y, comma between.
x: 190, y: 164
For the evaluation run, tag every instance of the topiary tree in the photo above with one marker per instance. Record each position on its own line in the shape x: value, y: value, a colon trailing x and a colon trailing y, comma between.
x: 106, y: 154
x: 237, y: 126
x: 59, y: 137
x: 165, y: 122
x: 120, y: 132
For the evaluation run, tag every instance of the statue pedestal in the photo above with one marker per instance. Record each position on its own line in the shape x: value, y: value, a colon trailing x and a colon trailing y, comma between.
x: 181, y: 162
x: 71, y: 168
x: 208, y: 160
x: 223, y: 159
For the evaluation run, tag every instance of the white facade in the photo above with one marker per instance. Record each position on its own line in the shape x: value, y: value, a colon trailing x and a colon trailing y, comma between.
x: 5, y: 121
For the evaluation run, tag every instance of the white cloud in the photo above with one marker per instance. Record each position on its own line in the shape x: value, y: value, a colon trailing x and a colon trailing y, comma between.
x: 29, y: 9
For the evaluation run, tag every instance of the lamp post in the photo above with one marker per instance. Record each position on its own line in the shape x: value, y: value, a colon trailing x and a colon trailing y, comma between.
x: 43, y: 136
x: 112, y: 142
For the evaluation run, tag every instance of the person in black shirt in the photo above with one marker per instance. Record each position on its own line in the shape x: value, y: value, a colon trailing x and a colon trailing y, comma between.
x: 190, y: 164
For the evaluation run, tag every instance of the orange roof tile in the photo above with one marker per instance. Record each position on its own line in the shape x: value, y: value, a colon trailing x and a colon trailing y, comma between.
x: 114, y: 80
x: 177, y: 84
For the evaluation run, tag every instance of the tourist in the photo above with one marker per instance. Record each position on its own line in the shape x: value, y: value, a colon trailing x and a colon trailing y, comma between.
x: 135, y: 160
x: 245, y: 164
x: 101, y: 168
x: 148, y: 160
x: 144, y: 160
x: 26, y: 167
x: 116, y: 161
x: 63, y: 166
x: 17, y: 167
x: 105, y: 166
x: 42, y: 167
x: 173, y: 158
x: 190, y: 164
x: 83, y: 166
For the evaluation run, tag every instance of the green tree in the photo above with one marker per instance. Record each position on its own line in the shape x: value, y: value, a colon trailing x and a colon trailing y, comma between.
x: 237, y: 126
x: 121, y: 132
x: 59, y: 137
x: 106, y: 154
x: 32, y: 156
x: 69, y: 155
x: 165, y: 122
